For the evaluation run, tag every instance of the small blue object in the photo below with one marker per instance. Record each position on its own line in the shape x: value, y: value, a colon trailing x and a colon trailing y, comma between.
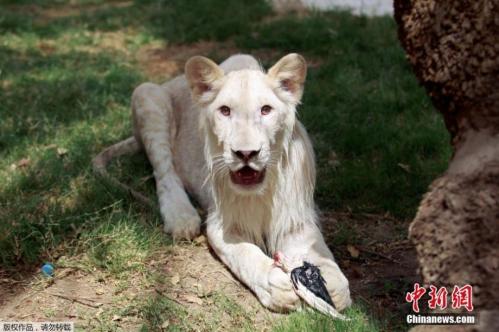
x: 48, y: 270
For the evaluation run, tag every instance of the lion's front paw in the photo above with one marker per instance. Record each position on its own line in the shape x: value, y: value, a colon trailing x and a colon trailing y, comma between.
x: 182, y: 226
x: 185, y: 228
x: 337, y: 286
x: 279, y: 295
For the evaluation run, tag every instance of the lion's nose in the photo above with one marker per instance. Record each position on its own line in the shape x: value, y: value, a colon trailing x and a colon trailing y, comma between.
x: 245, y: 155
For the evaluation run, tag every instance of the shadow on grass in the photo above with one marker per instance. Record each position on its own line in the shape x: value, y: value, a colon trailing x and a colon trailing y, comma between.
x: 158, y: 310
x: 177, y: 21
x: 74, y: 101
x: 46, y: 94
x: 55, y: 212
x: 181, y: 21
x: 30, y: 18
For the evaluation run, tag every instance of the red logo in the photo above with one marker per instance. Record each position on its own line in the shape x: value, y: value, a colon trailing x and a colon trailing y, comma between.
x: 461, y: 297
x: 415, y: 296
x: 437, y: 298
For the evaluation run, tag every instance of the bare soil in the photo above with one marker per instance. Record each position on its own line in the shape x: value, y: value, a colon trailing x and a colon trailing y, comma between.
x: 67, y: 10
x: 381, y: 267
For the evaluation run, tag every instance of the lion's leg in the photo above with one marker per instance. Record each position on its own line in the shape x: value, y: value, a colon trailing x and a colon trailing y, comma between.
x: 251, y: 266
x: 310, y: 246
x: 153, y: 126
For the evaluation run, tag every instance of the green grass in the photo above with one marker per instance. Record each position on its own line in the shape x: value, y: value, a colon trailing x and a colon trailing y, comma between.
x: 181, y: 21
x: 378, y: 141
x: 158, y: 310
x: 317, y: 322
x: 120, y: 245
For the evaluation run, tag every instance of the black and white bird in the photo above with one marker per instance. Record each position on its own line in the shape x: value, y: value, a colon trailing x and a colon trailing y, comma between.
x: 308, y: 284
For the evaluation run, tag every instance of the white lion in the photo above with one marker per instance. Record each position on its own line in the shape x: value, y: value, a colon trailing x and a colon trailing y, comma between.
x: 228, y: 136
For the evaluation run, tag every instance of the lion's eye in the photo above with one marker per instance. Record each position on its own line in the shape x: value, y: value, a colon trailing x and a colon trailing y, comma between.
x: 225, y: 110
x: 265, y: 109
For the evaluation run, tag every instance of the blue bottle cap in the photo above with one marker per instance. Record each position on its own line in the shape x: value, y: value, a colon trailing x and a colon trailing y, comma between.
x: 48, y: 270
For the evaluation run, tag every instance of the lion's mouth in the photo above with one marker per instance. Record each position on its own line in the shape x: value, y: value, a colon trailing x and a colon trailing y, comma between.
x: 247, y: 176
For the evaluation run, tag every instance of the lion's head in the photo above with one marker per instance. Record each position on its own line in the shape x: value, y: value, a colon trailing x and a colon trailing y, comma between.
x: 247, y: 116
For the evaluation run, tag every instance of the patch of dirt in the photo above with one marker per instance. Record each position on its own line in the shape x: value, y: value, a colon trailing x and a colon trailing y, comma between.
x: 382, y: 265
x: 190, y: 276
x: 161, y: 63
x: 47, y: 14
x: 114, y: 42
x: 283, y: 8
x: 373, y: 252
x: 73, y: 295
x: 108, y: 41
x: 195, y: 279
x: 286, y: 6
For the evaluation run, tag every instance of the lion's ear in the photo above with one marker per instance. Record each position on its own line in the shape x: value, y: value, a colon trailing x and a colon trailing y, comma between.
x: 202, y: 73
x: 290, y: 73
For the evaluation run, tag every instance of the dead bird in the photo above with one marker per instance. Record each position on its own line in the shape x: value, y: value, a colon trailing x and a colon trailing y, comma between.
x: 309, y: 284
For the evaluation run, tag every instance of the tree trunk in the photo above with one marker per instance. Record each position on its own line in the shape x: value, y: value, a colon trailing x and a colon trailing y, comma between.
x: 453, y: 46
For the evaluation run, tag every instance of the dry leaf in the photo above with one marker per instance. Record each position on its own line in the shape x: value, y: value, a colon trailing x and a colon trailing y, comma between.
x: 23, y: 162
x: 333, y: 160
x: 405, y: 167
x: 355, y: 272
x: 99, y: 291
x: 200, y: 290
x: 192, y: 299
x: 165, y: 324
x: 99, y: 312
x: 175, y: 279
x: 354, y: 252
x: 61, y: 151
x: 201, y: 239
x: 116, y: 318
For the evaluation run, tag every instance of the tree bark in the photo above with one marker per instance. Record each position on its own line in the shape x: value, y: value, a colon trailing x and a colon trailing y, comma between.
x: 453, y: 47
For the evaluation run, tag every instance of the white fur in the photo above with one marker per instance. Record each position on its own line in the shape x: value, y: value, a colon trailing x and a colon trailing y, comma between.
x: 245, y: 225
